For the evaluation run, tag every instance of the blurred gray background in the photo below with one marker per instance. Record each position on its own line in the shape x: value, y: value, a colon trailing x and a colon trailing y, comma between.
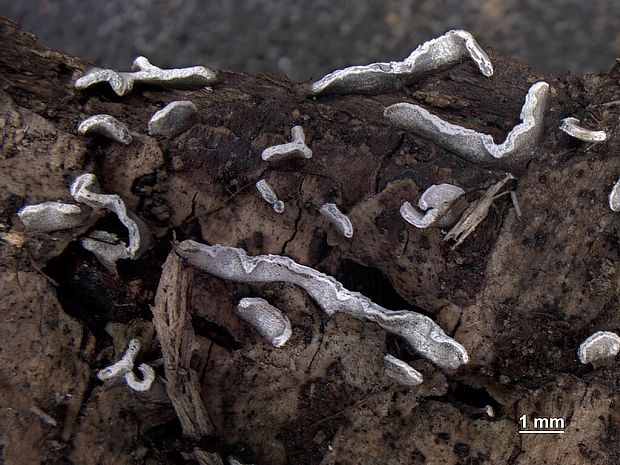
x: 305, y: 39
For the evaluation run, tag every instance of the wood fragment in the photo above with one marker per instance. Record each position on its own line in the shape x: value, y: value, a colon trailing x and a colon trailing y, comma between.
x: 176, y: 336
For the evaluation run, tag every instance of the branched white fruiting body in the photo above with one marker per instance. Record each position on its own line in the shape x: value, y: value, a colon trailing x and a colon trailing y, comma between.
x: 270, y: 196
x: 269, y: 321
x: 420, y: 332
x: 52, y: 216
x: 614, y: 197
x: 518, y: 148
x: 341, y: 222
x: 436, y: 54
x: 85, y: 189
x: 600, y: 346
x: 173, y: 119
x: 435, y: 200
x: 295, y: 149
x: 144, y: 72
x: 123, y: 369
x: 401, y: 372
x: 571, y: 127
x: 124, y: 365
x: 106, y: 126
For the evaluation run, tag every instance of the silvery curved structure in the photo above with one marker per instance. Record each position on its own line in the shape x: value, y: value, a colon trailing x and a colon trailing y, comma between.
x: 144, y: 72
x: 520, y: 144
x: 434, y: 201
x: 421, y: 333
x: 442, y: 52
x: 106, y: 126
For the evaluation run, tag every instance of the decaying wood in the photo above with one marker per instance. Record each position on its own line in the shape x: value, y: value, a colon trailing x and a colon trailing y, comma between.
x: 519, y: 295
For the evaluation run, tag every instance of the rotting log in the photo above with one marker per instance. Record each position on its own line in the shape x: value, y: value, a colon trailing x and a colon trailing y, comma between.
x: 520, y: 293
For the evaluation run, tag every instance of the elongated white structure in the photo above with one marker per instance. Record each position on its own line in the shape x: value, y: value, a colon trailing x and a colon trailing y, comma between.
x: 123, y: 369
x: 270, y: 196
x: 124, y: 365
x: 106, y: 126
x: 269, y: 321
x: 435, y: 201
x: 144, y: 72
x: 614, y: 197
x: 52, y: 216
x: 420, y: 332
x: 401, y: 372
x: 442, y: 52
x: 107, y: 247
x: 518, y: 148
x: 173, y: 119
x: 341, y: 222
x: 571, y: 127
x: 295, y: 149
x: 85, y: 189
x: 600, y: 346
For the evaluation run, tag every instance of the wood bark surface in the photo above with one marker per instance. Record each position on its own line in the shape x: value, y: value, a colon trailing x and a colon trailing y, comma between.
x: 520, y: 294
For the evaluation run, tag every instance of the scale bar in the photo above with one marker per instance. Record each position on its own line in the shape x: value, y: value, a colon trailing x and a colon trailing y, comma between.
x: 541, y: 432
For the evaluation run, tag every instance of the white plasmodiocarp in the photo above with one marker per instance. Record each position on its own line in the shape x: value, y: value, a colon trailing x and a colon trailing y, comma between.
x: 144, y: 72
x: 439, y: 53
x: 520, y: 144
x: 614, y: 197
x: 401, y: 372
x: 421, y: 333
x: 106, y: 126
x: 270, y: 196
x: 124, y: 369
x: 52, y: 216
x: 571, y: 127
x: 599, y: 346
x: 173, y: 119
x: 268, y: 320
x: 85, y: 189
x: 341, y: 222
x: 434, y: 201
x: 295, y: 149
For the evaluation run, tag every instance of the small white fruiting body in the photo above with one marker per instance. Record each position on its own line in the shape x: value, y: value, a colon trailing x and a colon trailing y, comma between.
x: 341, y: 222
x: 123, y: 369
x: 173, y: 119
x: 295, y: 149
x: 614, y: 197
x: 269, y: 321
x: 435, y: 200
x: 600, y: 346
x: 52, y: 216
x: 571, y: 127
x: 106, y: 126
x: 268, y: 194
x: 401, y: 372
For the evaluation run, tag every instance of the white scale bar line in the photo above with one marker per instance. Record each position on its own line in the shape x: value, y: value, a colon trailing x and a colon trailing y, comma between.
x: 541, y: 432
